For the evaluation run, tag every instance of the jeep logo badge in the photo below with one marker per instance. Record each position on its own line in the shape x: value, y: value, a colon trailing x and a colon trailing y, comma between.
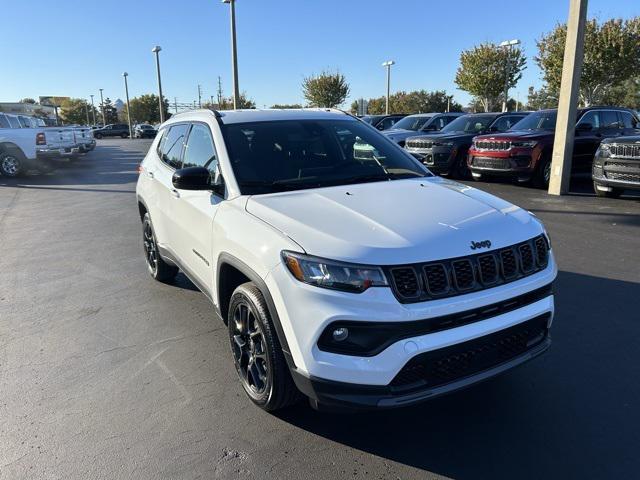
x: 482, y: 244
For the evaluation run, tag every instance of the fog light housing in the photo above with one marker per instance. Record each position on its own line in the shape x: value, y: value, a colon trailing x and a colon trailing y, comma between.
x: 340, y: 334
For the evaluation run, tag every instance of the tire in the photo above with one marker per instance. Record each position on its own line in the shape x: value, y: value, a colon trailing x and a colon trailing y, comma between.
x: 542, y: 176
x: 158, y: 268
x: 257, y: 355
x: 614, y: 193
x: 97, y: 136
x: 11, y: 164
x: 124, y: 135
x: 460, y: 169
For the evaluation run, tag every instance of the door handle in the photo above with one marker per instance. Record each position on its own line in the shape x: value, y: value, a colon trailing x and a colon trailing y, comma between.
x: 175, y: 193
x: 150, y: 174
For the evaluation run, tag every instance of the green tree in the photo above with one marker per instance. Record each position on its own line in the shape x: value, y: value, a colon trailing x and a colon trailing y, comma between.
x: 611, y: 57
x: 286, y: 106
x: 419, y: 101
x: 110, y: 112
x: 541, y: 98
x: 74, y: 111
x: 484, y: 69
x: 244, y: 102
x: 624, y: 95
x: 28, y: 100
x: 145, y: 109
x: 327, y: 90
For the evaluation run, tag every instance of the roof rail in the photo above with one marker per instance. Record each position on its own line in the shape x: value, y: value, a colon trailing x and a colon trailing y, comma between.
x: 215, y: 113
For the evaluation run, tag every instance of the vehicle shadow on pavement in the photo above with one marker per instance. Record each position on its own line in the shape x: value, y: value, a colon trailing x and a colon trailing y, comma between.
x: 572, y: 413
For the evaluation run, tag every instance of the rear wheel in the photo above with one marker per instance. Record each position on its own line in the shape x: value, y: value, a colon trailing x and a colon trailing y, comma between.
x: 612, y: 193
x: 124, y: 135
x: 97, y: 135
x: 158, y: 268
x: 257, y: 354
x: 11, y: 164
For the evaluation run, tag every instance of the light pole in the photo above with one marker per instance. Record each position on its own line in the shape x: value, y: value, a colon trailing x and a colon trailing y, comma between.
x: 234, y: 53
x: 507, y: 44
x: 126, y: 92
x: 156, y: 50
x: 86, y: 110
x: 388, y: 64
x: 104, y: 121
x: 93, y: 110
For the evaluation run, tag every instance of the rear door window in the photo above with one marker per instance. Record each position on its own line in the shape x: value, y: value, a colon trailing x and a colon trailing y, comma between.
x: 4, y: 123
x: 172, y: 145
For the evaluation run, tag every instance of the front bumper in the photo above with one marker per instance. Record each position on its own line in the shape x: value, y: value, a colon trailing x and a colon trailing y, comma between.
x: 621, y: 173
x: 308, y: 311
x: 438, y: 159
x: 88, y: 146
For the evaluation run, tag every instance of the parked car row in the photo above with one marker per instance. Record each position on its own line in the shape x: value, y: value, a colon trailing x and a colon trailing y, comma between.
x: 519, y: 145
x: 27, y: 143
x: 142, y: 130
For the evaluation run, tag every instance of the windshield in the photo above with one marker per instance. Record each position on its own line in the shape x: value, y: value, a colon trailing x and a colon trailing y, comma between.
x: 469, y: 124
x: 276, y: 156
x: 145, y: 127
x: 411, y: 122
x: 544, y: 120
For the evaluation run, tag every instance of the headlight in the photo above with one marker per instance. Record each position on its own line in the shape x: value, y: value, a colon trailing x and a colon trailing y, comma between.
x: 604, y: 150
x: 332, y: 274
x: 524, y: 144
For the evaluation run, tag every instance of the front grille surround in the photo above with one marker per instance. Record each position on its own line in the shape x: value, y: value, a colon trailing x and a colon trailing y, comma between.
x: 625, y: 150
x: 492, y: 145
x: 461, y: 275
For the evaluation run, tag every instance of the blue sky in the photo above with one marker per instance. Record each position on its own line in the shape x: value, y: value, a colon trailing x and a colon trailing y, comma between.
x: 74, y: 47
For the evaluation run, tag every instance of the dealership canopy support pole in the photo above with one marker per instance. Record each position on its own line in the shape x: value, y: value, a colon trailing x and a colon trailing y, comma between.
x: 104, y: 119
x: 568, y: 102
x: 126, y: 91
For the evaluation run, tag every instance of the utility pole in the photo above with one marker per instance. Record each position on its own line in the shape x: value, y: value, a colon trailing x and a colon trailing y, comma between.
x: 561, y: 159
x: 507, y: 47
x: 234, y: 54
x: 388, y: 64
x: 199, y: 96
x: 104, y: 121
x: 219, y: 92
x: 157, y: 50
x: 175, y: 104
x: 126, y: 91
x: 93, y: 110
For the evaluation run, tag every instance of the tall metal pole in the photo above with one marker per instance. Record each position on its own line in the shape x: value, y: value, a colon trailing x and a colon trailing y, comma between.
x: 104, y: 121
x: 157, y: 50
x: 388, y: 64
x: 234, y: 53
x: 199, y: 96
x: 86, y: 110
x: 93, y: 110
x: 507, y: 69
x: 561, y: 159
x: 175, y: 104
x: 126, y: 91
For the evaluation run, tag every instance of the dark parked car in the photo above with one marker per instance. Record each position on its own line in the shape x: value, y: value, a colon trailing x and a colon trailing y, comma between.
x: 420, y: 122
x: 113, y: 130
x: 144, y: 131
x: 446, y: 151
x: 616, y: 166
x: 383, y: 122
x: 524, y: 152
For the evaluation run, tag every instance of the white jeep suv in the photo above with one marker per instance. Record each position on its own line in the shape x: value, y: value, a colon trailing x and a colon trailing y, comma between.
x: 356, y: 280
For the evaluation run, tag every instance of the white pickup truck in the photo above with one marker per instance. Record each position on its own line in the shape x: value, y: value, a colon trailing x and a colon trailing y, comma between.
x: 18, y: 148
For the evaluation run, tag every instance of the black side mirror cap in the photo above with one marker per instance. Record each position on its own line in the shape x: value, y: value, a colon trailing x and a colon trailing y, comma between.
x: 584, y: 127
x: 192, y: 178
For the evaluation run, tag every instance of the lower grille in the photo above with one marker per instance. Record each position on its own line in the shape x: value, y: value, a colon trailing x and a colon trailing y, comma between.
x: 439, y: 367
x: 493, y: 163
x: 622, y: 171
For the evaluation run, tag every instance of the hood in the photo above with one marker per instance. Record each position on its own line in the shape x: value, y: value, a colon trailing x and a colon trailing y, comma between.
x: 443, y: 137
x: 396, y: 222
x: 518, y: 135
x: 624, y: 140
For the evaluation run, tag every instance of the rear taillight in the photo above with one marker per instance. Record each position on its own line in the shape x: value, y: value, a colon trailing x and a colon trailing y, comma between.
x: 41, y: 139
x: 140, y: 168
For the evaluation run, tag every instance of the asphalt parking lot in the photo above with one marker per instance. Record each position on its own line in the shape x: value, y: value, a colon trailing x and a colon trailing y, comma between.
x: 107, y: 374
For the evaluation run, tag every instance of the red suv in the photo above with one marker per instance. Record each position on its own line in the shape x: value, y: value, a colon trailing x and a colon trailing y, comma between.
x: 524, y: 151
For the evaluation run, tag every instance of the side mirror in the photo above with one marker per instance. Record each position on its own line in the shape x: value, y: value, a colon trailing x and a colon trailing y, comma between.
x: 584, y: 127
x: 494, y: 129
x: 192, y: 178
x: 431, y: 128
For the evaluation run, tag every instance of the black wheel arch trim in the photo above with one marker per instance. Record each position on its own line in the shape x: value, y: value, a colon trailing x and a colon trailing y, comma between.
x: 228, y: 259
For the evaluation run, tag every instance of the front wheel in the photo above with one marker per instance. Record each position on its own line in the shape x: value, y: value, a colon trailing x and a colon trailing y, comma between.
x: 459, y: 168
x: 124, y: 135
x: 257, y: 354
x: 542, y: 177
x: 97, y: 135
x: 11, y: 165
x: 158, y: 268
